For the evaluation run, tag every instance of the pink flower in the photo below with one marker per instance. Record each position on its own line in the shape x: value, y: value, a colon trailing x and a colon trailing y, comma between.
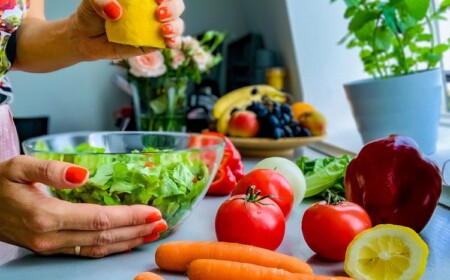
x: 203, y: 59
x: 177, y: 58
x: 148, y: 65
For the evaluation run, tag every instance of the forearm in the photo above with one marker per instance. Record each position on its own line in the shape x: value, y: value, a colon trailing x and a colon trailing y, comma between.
x: 45, y: 46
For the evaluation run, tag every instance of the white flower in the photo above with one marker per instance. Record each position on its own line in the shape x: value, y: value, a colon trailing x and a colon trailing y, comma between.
x: 177, y: 58
x: 203, y: 59
x: 148, y: 65
x: 190, y: 44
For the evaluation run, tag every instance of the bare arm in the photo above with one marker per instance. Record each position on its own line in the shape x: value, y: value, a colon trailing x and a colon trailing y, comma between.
x: 44, y: 46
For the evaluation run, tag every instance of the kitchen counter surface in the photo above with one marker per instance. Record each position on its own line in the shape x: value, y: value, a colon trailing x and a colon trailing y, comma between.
x: 17, y: 263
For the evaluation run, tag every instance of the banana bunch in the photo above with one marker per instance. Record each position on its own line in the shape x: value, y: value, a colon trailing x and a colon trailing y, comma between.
x: 240, y: 98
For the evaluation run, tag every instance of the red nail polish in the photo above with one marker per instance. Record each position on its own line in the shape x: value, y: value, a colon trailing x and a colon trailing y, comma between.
x: 160, y: 227
x: 159, y: 1
x: 167, y: 29
x: 151, y: 237
x: 153, y: 217
x: 75, y: 174
x: 163, y: 13
x: 112, y: 10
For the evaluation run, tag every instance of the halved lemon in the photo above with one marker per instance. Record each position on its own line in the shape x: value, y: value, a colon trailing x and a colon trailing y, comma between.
x: 386, y: 252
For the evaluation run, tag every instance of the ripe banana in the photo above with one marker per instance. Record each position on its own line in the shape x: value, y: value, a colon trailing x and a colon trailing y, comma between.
x: 248, y: 93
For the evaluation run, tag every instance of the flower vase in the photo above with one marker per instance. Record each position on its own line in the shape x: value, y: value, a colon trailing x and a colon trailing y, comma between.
x: 160, y: 104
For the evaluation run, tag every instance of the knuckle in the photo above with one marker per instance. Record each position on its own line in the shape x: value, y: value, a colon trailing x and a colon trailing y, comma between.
x: 40, y: 223
x: 98, y: 252
x: 102, y: 221
x: 40, y: 244
x: 48, y: 169
x: 104, y: 238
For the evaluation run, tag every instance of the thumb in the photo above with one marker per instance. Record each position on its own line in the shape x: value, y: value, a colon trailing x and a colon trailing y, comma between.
x: 26, y: 169
x: 107, y: 9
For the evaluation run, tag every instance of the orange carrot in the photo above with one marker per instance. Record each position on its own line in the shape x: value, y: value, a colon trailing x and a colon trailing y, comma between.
x: 148, y: 276
x: 177, y: 255
x: 207, y: 269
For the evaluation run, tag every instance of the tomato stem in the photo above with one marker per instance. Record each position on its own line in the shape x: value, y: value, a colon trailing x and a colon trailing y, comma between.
x: 255, y: 196
x: 332, y: 198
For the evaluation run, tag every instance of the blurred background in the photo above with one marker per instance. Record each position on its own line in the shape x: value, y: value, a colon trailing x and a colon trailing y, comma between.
x: 302, y: 35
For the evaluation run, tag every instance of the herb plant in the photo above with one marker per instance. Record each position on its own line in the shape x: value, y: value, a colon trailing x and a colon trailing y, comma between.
x: 395, y: 37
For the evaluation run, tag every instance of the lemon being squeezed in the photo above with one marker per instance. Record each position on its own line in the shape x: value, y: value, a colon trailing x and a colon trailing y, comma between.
x: 386, y: 252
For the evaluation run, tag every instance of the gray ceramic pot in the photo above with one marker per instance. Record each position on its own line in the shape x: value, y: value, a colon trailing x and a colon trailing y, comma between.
x: 407, y: 105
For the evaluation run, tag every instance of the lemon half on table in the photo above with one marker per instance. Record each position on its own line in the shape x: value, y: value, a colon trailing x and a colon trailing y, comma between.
x: 386, y: 252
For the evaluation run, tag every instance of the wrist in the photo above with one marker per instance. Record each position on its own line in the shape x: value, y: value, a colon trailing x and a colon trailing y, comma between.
x: 75, y: 42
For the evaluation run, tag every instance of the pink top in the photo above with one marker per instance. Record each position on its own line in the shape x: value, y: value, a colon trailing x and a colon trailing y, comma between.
x: 11, y: 14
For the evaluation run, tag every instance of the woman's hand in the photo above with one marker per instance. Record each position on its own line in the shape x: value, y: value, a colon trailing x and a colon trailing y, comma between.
x: 30, y: 218
x: 89, y: 27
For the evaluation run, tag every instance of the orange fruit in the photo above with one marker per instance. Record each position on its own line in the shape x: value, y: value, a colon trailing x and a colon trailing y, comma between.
x: 299, y: 108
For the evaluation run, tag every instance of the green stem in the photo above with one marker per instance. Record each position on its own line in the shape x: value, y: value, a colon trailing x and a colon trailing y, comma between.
x: 380, y: 72
x: 430, y: 27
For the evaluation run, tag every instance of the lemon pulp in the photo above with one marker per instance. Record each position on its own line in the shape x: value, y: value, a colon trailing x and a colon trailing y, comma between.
x: 386, y: 252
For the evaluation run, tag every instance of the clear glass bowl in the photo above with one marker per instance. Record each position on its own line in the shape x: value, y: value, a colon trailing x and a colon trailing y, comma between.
x: 170, y: 171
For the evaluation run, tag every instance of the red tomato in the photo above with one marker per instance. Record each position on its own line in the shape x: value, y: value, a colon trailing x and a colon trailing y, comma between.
x: 329, y: 228
x: 259, y: 223
x: 269, y: 182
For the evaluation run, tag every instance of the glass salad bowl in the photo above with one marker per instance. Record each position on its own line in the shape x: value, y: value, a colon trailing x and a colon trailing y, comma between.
x: 170, y: 171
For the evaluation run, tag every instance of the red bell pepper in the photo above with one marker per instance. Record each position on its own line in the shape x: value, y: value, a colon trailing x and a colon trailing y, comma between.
x: 224, y: 182
x: 232, y: 160
x: 394, y: 182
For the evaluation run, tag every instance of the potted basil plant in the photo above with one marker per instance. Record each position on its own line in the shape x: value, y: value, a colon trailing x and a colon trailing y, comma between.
x: 398, y: 47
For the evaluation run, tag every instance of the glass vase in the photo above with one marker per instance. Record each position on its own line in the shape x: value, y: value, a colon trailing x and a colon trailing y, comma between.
x: 160, y: 104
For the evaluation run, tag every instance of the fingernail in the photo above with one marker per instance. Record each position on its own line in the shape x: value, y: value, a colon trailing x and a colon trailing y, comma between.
x: 167, y: 29
x: 75, y: 174
x: 159, y: 1
x: 153, y: 217
x: 171, y: 40
x: 112, y: 10
x: 160, y: 227
x: 163, y: 13
x: 151, y: 237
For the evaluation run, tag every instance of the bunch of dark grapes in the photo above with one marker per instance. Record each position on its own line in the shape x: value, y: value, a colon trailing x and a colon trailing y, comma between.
x: 275, y: 120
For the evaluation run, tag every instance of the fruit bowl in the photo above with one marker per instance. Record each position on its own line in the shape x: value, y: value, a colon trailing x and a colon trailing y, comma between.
x: 170, y: 171
x: 267, y: 147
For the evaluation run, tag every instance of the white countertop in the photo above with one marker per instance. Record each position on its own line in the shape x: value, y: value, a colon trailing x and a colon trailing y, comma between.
x: 17, y: 263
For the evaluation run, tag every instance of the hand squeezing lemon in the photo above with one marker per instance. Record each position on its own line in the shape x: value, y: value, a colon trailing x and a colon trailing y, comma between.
x: 386, y: 252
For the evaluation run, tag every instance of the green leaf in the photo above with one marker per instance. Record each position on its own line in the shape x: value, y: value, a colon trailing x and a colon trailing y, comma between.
x: 440, y: 49
x: 383, y: 38
x: 351, y: 3
x: 424, y: 38
x: 362, y: 18
x: 390, y: 19
x: 444, y: 5
x: 365, y: 34
x: 350, y: 12
x: 418, y: 8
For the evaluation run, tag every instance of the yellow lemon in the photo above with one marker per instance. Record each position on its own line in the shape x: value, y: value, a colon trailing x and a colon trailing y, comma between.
x: 386, y: 252
x: 138, y: 25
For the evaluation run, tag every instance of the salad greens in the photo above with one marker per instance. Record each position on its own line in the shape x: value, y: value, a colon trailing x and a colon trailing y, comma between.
x: 324, y: 173
x: 170, y: 181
